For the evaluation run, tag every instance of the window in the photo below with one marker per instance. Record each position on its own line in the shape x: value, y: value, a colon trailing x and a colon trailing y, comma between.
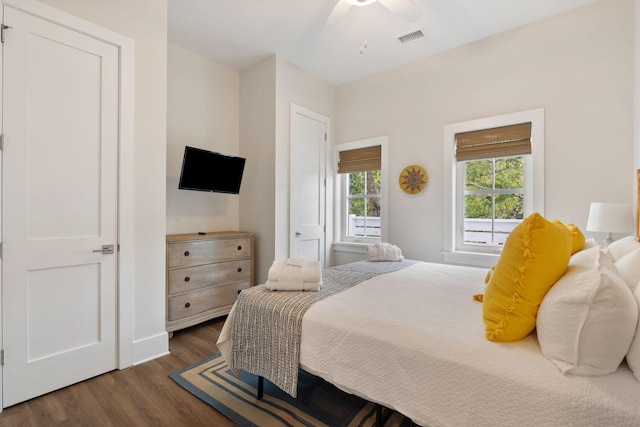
x: 491, y: 184
x: 360, y: 205
x: 493, y: 200
x: 495, y: 171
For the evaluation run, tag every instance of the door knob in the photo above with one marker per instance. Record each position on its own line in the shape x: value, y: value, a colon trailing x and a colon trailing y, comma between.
x: 298, y: 234
x: 106, y: 249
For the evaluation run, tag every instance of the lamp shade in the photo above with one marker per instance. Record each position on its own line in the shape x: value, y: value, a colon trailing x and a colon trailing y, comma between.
x: 610, y: 217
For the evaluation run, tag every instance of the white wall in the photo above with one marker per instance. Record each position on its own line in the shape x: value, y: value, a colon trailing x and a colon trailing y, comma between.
x: 203, y: 102
x: 577, y: 66
x: 257, y: 144
x: 146, y: 23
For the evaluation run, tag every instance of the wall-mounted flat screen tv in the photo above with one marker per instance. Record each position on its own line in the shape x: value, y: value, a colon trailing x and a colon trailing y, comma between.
x: 204, y: 170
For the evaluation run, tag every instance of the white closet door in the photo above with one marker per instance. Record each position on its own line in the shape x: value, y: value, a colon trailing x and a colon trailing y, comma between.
x: 308, y: 190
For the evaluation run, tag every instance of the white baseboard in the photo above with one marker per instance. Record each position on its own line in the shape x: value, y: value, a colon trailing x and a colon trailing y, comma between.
x: 150, y: 348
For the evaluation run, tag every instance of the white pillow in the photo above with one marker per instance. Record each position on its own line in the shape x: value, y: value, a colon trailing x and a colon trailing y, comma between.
x: 620, y: 248
x: 633, y: 356
x: 593, y: 258
x: 629, y: 268
x: 590, y: 243
x: 587, y: 320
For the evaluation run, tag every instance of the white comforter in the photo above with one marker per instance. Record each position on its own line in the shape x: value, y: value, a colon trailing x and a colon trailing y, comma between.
x: 414, y: 341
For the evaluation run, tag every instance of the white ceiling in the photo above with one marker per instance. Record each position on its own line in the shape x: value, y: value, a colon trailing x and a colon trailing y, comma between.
x: 240, y: 33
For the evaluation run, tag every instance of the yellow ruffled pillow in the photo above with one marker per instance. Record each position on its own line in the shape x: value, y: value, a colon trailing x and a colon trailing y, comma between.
x: 577, y: 238
x: 534, y: 257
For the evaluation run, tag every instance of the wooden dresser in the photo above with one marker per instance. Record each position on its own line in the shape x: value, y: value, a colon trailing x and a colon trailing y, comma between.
x: 204, y: 274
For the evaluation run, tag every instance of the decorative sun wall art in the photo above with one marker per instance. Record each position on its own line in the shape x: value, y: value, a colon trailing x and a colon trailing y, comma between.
x: 413, y: 179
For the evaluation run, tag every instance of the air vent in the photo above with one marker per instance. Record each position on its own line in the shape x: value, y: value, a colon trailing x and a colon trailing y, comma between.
x: 418, y: 34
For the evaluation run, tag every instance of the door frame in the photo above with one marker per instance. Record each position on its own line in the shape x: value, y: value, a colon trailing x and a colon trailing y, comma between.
x: 328, y: 174
x: 125, y: 262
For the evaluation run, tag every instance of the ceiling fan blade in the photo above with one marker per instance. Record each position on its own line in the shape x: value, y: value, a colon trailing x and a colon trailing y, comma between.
x: 338, y: 12
x: 405, y: 8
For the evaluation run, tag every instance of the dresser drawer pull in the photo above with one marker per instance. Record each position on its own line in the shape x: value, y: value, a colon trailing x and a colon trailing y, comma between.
x: 186, y: 279
x: 186, y: 253
x: 239, y: 247
x: 187, y: 305
x: 239, y: 269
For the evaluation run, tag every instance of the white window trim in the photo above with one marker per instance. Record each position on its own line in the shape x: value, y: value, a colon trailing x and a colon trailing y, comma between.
x: 536, y: 166
x: 340, y: 185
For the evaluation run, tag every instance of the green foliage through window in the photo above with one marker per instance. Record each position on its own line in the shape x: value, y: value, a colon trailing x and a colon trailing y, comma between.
x: 362, y: 184
x: 494, y: 188
x: 493, y: 199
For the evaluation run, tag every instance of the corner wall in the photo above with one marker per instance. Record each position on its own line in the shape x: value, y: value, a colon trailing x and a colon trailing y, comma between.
x: 257, y: 144
x: 294, y: 85
x: 266, y: 93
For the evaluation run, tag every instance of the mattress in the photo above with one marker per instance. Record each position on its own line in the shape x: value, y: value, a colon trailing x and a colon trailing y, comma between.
x: 414, y: 341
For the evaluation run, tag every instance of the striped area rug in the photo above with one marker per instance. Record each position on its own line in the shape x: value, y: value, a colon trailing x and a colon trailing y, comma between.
x: 318, y: 402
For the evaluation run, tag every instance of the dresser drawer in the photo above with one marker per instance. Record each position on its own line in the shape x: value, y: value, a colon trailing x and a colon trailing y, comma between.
x: 204, y: 273
x: 195, y: 302
x: 187, y: 254
x: 192, y: 278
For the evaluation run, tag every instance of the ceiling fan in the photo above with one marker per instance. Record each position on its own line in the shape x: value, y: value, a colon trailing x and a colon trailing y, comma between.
x: 405, y: 8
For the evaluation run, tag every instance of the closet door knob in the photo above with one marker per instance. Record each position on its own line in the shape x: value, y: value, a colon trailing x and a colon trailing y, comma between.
x: 106, y: 249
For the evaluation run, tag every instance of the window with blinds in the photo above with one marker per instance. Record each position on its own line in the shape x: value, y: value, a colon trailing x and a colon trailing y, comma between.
x: 492, y: 169
x: 361, y: 169
x: 493, y: 178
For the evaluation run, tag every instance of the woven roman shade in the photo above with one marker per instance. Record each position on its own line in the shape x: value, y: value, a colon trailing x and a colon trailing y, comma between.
x: 360, y: 159
x: 504, y: 141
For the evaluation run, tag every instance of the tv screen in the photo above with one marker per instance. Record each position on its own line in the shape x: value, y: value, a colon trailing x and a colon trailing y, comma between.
x: 204, y: 170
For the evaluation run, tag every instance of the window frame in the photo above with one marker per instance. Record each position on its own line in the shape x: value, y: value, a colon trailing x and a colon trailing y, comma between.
x: 453, y: 251
x: 341, y: 185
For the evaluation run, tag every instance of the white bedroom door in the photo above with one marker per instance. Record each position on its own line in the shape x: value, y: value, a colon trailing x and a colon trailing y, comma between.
x: 59, y: 206
x: 308, y: 189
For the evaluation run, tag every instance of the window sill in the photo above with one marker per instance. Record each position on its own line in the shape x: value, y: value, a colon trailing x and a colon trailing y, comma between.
x: 472, y: 259
x: 353, y: 247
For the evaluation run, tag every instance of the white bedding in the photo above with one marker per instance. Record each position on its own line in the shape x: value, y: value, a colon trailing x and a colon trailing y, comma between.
x: 414, y: 341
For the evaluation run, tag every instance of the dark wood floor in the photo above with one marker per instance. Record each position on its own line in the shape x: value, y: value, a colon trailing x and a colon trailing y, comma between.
x: 143, y: 395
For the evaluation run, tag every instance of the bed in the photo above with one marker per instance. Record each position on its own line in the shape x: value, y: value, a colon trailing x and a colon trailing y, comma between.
x: 410, y: 337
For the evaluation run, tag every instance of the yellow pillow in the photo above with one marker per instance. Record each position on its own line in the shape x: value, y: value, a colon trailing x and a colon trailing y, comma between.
x: 577, y: 238
x: 535, y: 255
